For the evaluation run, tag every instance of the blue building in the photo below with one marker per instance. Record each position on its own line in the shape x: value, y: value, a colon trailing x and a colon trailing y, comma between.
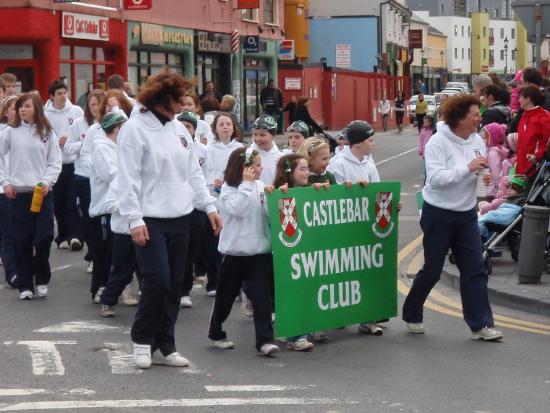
x: 358, y: 36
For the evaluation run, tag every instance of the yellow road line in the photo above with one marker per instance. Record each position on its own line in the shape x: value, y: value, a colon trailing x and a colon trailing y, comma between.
x: 501, y: 321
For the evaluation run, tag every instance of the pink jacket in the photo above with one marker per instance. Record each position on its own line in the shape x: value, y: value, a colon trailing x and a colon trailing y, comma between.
x: 502, y: 194
x: 423, y: 138
x: 496, y: 156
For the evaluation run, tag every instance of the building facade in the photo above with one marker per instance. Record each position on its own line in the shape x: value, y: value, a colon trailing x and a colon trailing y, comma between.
x: 86, y: 42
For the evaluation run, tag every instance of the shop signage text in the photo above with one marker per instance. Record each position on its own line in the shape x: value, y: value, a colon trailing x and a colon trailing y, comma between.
x: 137, y: 4
x: 415, y: 39
x: 343, y: 56
x: 16, y: 51
x: 214, y: 42
x: 251, y: 44
x: 286, y: 50
x: 83, y: 26
x: 158, y: 35
x: 293, y: 83
x: 248, y: 4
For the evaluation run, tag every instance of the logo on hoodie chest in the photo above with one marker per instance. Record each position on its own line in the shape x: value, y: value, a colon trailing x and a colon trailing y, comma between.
x: 184, y: 142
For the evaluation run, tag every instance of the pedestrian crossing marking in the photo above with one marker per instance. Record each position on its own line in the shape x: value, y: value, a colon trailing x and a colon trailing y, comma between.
x: 80, y: 326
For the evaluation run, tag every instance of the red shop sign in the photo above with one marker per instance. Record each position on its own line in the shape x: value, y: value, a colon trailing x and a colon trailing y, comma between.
x: 248, y: 4
x: 138, y: 4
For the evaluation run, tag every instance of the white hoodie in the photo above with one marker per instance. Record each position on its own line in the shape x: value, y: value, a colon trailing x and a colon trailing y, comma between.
x: 31, y: 159
x: 245, y: 224
x: 104, y: 167
x: 73, y: 146
x: 449, y: 183
x: 346, y: 167
x: 158, y: 175
x: 203, y: 128
x: 217, y: 154
x: 269, y: 162
x: 61, y: 121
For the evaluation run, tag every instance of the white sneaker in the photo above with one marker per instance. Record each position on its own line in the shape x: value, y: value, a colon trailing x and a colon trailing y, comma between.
x: 223, y: 344
x: 487, y: 334
x: 302, y: 344
x: 211, y: 293
x: 142, y: 356
x: 128, y: 298
x: 173, y: 360
x: 372, y: 329
x: 107, y: 311
x: 186, y: 302
x: 26, y: 295
x: 416, y: 328
x: 97, y: 296
x: 63, y: 245
x: 90, y: 267
x: 75, y: 244
x: 268, y: 349
x: 41, y: 290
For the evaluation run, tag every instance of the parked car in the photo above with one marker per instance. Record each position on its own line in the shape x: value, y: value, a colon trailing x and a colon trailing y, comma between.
x: 430, y: 99
x: 461, y: 85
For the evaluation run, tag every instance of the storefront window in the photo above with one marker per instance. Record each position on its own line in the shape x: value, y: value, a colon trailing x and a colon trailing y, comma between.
x: 85, y: 68
x: 144, y: 64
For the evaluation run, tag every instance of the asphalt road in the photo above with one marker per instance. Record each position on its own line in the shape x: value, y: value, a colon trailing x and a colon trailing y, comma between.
x: 57, y: 354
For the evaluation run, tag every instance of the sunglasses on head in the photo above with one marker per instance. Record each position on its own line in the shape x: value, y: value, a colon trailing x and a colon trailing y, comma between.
x: 263, y: 126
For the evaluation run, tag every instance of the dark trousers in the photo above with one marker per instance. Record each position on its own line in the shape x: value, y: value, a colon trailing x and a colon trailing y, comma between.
x: 254, y: 272
x: 86, y: 224
x: 66, y: 214
x: 420, y: 120
x: 444, y: 229
x: 385, y: 122
x: 399, y: 117
x: 123, y: 265
x: 197, y: 224
x: 7, y: 242
x: 162, y: 265
x: 103, y: 251
x: 213, y: 259
x: 32, y: 230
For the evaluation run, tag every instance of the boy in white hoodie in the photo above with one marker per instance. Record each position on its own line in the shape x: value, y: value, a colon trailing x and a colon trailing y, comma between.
x: 61, y: 114
x: 263, y: 130
x: 103, y: 200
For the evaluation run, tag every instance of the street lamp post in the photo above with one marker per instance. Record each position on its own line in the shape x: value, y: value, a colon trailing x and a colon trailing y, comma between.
x: 505, y: 58
x: 422, y: 64
x: 442, y: 54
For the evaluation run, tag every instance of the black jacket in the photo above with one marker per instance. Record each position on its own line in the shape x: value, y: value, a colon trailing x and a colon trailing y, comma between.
x: 498, y: 113
x: 302, y: 113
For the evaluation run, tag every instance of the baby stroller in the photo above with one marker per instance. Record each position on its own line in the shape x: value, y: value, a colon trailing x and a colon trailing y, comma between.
x: 508, y: 237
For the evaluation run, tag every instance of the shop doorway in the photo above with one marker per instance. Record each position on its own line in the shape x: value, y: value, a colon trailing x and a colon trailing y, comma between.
x: 254, y: 82
x: 25, y: 72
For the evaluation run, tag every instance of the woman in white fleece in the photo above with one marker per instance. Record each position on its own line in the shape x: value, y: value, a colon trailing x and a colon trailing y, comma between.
x: 453, y: 157
x: 159, y: 184
x: 35, y: 157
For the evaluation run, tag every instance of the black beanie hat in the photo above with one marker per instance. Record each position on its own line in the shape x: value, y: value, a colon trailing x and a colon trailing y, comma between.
x: 358, y: 131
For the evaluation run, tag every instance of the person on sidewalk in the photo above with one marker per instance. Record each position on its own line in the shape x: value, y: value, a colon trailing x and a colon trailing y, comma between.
x: 384, y: 107
x: 399, y: 107
x: 420, y: 110
x: 158, y: 187
x: 449, y: 219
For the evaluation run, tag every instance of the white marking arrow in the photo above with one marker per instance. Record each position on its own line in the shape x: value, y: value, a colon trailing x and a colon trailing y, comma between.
x: 79, y: 326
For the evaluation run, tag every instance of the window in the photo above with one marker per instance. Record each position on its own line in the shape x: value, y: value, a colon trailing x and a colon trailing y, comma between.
x: 502, y: 32
x: 484, y: 31
x: 484, y: 54
x: 513, y: 55
x: 513, y: 34
x: 462, y: 30
x: 85, y: 68
x: 463, y: 53
x: 456, y: 30
x: 250, y: 14
x: 496, y: 13
x: 469, y: 54
x: 502, y: 55
x: 141, y: 65
x: 491, y: 32
x: 491, y: 57
x: 469, y: 31
x: 270, y: 11
x: 456, y: 53
x: 442, y: 9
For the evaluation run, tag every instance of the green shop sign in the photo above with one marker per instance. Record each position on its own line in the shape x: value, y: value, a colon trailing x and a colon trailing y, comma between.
x: 335, y: 256
x: 156, y: 35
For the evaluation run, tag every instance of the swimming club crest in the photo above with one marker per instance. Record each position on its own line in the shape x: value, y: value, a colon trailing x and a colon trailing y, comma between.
x: 383, y: 224
x: 290, y: 235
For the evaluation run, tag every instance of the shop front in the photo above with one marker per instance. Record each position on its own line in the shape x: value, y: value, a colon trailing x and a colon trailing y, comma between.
x: 153, y: 48
x: 259, y: 65
x: 39, y: 46
x: 213, y: 61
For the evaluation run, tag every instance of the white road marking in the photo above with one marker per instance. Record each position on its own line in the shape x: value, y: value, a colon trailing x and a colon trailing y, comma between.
x: 256, y: 388
x: 83, y: 391
x: 191, y: 369
x: 395, y: 157
x: 63, y: 267
x: 121, y: 359
x: 46, y: 360
x: 21, y: 392
x: 124, y: 404
x: 79, y: 326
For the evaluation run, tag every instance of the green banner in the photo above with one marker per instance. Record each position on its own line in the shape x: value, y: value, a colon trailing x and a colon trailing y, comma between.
x: 335, y: 256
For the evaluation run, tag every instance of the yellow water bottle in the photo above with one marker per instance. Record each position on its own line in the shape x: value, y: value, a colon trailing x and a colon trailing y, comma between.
x: 37, y: 198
